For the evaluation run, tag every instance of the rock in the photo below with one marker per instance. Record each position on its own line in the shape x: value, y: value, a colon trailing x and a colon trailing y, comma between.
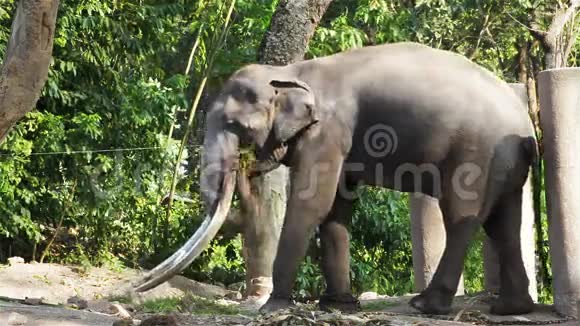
x: 123, y: 322
x: 159, y: 321
x: 102, y: 306
x: 372, y: 296
x: 180, y: 285
x: 15, y: 260
x: 237, y: 287
x: 368, y: 296
x: 118, y: 310
x: 234, y: 296
x: 33, y: 301
x: 17, y: 319
x: 77, y: 302
x: 225, y: 302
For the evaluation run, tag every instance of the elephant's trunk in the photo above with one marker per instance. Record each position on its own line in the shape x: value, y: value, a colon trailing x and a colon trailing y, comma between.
x: 219, y: 160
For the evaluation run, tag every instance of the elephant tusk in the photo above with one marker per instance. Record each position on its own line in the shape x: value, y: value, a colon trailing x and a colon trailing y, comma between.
x: 195, y: 245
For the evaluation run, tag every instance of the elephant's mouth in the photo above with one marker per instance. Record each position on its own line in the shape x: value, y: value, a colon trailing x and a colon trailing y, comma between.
x: 270, y: 160
x: 276, y: 153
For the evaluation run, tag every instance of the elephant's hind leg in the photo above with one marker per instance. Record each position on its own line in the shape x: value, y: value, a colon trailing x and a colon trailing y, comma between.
x: 438, y: 296
x: 334, y: 240
x: 462, y: 216
x: 503, y: 228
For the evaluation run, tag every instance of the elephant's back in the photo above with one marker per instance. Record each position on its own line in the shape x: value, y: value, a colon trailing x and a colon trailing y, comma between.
x: 430, y: 81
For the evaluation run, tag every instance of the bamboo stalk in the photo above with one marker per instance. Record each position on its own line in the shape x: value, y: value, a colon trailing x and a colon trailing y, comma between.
x: 170, y: 134
x: 194, y: 106
x: 187, y: 69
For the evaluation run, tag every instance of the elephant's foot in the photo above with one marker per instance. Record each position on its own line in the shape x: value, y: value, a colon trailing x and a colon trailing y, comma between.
x: 345, y: 303
x: 432, y: 302
x: 274, y: 304
x: 512, y: 305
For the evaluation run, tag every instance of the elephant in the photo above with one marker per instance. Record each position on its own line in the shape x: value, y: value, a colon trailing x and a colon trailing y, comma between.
x: 402, y: 116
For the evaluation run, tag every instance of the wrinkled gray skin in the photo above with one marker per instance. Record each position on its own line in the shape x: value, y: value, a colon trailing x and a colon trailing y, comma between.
x: 444, y: 111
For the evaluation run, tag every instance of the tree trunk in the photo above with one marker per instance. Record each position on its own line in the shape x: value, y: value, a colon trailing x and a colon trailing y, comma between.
x: 291, y: 29
x: 559, y: 39
x: 28, y: 56
x: 286, y: 41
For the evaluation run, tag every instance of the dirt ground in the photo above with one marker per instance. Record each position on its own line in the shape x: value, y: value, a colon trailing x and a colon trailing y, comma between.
x: 48, y: 294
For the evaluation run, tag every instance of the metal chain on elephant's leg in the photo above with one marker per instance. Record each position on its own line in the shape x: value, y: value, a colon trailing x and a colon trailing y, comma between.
x: 261, y: 286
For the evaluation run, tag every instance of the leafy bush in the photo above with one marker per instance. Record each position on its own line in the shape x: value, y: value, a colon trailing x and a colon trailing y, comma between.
x: 381, y: 245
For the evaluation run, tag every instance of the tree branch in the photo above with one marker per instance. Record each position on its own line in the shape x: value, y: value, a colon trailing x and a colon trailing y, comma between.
x: 553, y: 40
x: 485, y: 25
x: 560, y: 19
x: 571, y: 37
x: 533, y: 30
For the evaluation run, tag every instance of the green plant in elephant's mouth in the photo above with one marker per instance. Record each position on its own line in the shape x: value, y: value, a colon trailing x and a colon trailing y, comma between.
x: 247, y: 157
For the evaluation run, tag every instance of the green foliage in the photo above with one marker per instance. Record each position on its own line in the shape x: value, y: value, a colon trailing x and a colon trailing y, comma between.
x: 188, y: 303
x: 117, y: 82
x: 473, y: 271
x: 222, y: 262
x: 162, y: 305
x: 378, y: 305
x: 107, y: 89
x: 309, y: 282
x: 381, y: 243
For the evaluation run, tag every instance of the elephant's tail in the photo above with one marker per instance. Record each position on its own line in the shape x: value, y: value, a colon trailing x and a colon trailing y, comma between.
x: 531, y: 150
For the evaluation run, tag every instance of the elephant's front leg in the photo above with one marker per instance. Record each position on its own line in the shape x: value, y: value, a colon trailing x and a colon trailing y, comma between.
x: 314, y: 181
x: 334, y: 240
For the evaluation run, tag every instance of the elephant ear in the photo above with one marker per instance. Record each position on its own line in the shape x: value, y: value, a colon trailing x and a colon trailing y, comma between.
x: 295, y: 108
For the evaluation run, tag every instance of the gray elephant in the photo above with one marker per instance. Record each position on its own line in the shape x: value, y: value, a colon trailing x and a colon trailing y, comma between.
x: 402, y: 116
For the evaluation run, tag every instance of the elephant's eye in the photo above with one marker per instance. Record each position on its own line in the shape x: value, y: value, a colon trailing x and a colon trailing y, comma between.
x: 250, y: 96
x: 233, y: 125
x: 238, y: 128
x: 244, y: 94
x: 242, y: 131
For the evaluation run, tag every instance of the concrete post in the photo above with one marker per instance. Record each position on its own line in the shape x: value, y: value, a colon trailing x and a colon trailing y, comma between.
x: 428, y: 239
x: 559, y: 91
x: 490, y: 258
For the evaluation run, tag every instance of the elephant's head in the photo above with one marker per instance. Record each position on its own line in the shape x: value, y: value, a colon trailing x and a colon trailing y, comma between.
x: 260, y: 107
